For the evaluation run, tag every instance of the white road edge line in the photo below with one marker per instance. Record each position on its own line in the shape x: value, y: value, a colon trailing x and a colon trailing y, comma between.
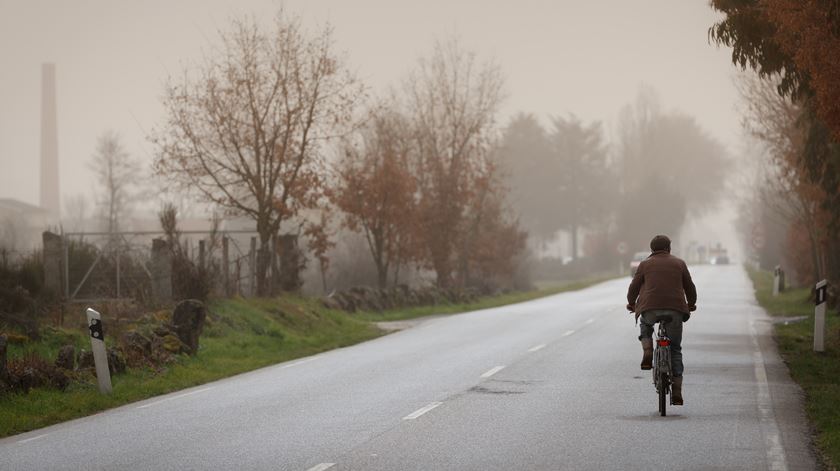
x: 175, y: 397
x: 321, y: 467
x: 568, y: 333
x: 775, y: 452
x: 493, y: 371
x: 421, y: 411
x: 33, y: 438
x: 298, y: 363
x: 538, y: 347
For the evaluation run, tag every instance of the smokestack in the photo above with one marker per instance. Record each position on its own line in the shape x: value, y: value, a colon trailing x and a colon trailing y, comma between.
x: 49, y: 143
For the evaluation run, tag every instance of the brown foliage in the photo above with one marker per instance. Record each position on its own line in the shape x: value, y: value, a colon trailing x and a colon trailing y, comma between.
x: 452, y: 101
x: 376, y: 192
x: 32, y: 371
x: 809, y: 32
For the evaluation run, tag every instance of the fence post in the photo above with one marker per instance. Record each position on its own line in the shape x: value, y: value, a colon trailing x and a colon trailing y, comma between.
x: 52, y: 262
x: 275, y: 275
x: 819, y: 316
x: 65, y: 263
x: 201, y: 254
x: 161, y: 268
x: 252, y: 267
x: 100, y: 354
x: 225, y: 267
x: 117, y: 254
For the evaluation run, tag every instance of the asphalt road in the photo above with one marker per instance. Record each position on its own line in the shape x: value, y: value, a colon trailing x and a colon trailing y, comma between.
x: 544, y: 385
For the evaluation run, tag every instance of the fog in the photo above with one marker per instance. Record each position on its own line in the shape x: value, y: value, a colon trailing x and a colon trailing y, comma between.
x: 557, y: 58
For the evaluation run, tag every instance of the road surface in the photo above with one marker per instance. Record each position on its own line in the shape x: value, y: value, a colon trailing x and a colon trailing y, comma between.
x: 544, y: 385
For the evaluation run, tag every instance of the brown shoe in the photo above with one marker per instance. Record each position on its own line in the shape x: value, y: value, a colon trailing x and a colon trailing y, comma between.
x: 647, y: 354
x: 676, y: 391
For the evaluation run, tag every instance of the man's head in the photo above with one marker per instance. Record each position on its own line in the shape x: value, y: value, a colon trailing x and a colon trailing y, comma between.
x: 660, y: 242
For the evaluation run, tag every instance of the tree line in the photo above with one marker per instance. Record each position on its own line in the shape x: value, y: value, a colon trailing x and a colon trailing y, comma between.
x: 789, y: 49
x: 250, y: 131
x: 274, y: 126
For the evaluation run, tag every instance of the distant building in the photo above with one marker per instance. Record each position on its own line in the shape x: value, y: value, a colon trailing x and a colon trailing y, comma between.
x: 21, y: 225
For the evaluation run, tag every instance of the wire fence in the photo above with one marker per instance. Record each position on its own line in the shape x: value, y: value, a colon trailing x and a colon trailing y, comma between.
x: 101, y: 266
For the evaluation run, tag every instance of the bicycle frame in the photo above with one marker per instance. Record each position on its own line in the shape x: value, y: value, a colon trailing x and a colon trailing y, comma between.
x: 662, y: 366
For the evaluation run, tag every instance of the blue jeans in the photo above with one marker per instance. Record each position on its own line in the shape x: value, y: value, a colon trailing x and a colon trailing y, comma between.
x: 673, y: 325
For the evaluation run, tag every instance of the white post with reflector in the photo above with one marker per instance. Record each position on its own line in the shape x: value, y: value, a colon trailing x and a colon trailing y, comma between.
x: 776, y: 279
x: 819, y: 316
x: 100, y: 354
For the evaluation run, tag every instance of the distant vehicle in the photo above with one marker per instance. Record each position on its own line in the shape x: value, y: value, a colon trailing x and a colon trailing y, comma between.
x: 637, y: 259
x: 720, y: 260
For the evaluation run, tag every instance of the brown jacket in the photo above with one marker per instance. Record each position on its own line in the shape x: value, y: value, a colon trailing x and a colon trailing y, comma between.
x: 662, y: 281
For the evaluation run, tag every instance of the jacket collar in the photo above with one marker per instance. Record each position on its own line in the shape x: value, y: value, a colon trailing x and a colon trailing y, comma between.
x: 660, y: 252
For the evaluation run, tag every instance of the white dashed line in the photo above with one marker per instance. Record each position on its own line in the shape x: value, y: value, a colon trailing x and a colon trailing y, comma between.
x: 298, y: 363
x: 33, y: 438
x: 589, y: 321
x: 538, y: 347
x: 321, y: 467
x: 175, y: 397
x: 568, y: 333
x: 421, y: 411
x: 492, y: 372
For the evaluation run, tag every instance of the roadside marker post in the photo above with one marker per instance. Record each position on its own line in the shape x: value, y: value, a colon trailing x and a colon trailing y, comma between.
x: 100, y: 355
x: 777, y: 275
x: 819, y: 316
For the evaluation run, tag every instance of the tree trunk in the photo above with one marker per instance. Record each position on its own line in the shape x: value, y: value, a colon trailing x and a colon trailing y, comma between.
x: 382, y: 275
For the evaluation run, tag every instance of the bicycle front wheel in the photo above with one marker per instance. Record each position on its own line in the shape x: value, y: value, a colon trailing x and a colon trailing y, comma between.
x: 663, y: 381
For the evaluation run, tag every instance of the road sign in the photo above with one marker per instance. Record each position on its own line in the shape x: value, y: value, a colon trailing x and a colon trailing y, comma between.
x: 622, y: 247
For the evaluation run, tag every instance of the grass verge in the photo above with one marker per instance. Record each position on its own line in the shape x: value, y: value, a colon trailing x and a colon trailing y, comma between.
x: 817, y: 373
x: 245, y: 335
x: 241, y: 335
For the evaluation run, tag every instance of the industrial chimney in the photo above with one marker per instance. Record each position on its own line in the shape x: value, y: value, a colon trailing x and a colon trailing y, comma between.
x: 49, y: 144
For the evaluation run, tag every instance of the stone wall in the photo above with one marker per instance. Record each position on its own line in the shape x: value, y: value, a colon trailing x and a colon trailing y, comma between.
x: 377, y: 300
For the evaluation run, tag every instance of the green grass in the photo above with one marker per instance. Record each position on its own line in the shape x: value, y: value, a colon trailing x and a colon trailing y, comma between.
x: 241, y: 335
x: 481, y: 303
x: 247, y: 334
x: 817, y: 373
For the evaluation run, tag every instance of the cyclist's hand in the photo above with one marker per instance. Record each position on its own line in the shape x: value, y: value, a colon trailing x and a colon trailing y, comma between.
x: 631, y: 307
x: 692, y: 308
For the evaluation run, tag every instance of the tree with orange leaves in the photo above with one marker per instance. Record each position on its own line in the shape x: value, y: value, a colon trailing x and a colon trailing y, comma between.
x: 375, y: 191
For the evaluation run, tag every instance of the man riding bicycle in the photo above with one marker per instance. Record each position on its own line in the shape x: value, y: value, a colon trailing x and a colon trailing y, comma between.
x: 662, y: 290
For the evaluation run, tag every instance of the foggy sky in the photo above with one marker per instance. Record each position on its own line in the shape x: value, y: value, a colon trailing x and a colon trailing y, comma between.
x: 112, y: 57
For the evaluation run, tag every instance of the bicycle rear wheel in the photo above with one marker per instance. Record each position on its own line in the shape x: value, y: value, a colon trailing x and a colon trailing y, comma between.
x: 663, y: 381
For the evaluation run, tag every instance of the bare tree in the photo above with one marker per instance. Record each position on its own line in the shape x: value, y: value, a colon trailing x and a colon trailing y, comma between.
x: 117, y: 176
x: 76, y: 211
x: 452, y: 99
x: 245, y: 130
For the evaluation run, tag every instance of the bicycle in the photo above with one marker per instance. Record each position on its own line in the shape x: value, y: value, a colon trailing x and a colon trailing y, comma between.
x: 662, y: 366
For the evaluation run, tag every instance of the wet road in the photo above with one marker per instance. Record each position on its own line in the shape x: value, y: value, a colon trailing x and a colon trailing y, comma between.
x: 548, y: 384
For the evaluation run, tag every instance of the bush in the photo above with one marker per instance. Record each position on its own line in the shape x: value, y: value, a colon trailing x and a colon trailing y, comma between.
x: 32, y: 371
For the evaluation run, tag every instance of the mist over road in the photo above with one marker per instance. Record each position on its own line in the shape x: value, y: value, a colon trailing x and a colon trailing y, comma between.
x: 548, y: 384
